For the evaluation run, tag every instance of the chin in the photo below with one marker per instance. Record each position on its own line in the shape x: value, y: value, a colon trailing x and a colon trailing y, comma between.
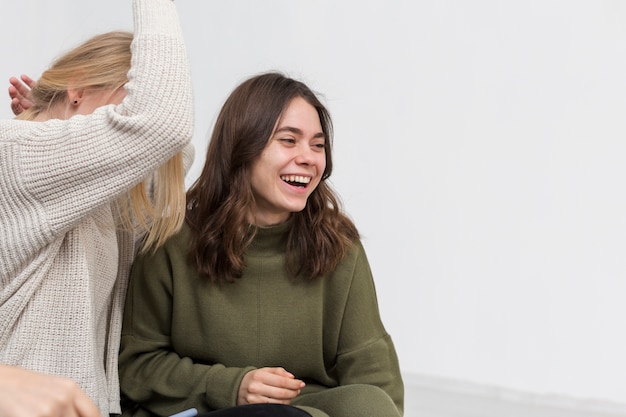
x: 295, y: 206
x: 296, y: 210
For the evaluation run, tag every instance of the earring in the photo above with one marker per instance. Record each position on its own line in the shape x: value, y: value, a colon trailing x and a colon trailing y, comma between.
x: 75, y: 101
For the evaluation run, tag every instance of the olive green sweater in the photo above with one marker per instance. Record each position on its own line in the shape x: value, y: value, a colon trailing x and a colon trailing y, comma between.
x: 188, y: 343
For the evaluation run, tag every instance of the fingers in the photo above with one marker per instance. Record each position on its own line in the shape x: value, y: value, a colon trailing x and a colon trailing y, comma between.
x: 16, y: 107
x: 269, y: 385
x: 19, y: 93
x: 84, y: 406
x: 23, y: 84
x: 24, y: 81
x: 28, y: 394
x: 14, y: 96
x: 279, y: 371
x: 27, y: 80
x: 61, y: 398
x: 72, y: 400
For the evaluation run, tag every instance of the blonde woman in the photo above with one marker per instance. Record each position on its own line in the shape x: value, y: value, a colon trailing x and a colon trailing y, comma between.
x: 74, y: 210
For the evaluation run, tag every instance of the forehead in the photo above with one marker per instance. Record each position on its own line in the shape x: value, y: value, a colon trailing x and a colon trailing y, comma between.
x: 300, y: 114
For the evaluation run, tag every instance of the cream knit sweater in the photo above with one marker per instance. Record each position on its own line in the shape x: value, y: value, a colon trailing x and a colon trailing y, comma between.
x: 63, y: 265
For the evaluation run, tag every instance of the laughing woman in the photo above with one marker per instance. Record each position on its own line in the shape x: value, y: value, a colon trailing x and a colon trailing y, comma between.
x: 266, y: 295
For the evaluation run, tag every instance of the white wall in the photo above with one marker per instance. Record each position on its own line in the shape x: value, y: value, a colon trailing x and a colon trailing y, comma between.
x: 479, y: 146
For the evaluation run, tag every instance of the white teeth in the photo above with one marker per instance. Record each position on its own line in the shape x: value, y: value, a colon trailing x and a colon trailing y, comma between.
x: 296, y: 178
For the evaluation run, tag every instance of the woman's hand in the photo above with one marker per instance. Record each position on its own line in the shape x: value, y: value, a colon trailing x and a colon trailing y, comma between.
x: 30, y: 394
x: 19, y: 92
x: 269, y: 385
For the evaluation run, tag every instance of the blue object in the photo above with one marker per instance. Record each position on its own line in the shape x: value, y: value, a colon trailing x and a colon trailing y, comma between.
x: 192, y: 412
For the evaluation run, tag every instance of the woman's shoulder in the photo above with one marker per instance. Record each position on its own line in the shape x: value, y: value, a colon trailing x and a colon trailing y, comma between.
x: 176, y: 246
x: 356, y: 249
x: 180, y: 240
x: 355, y: 259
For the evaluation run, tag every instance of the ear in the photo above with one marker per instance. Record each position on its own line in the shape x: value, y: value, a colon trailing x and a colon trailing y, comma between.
x: 75, y: 95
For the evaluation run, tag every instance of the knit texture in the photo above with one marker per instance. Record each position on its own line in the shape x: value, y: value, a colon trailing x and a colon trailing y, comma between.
x: 63, y: 263
x: 188, y: 343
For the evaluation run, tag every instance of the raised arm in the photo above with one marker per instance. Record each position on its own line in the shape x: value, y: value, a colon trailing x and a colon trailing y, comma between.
x: 59, y: 171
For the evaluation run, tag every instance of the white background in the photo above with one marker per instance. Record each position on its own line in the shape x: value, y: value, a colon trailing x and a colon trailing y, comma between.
x: 479, y: 147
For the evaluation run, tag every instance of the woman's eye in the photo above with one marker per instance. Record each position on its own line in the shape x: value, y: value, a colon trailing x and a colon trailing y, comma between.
x: 288, y: 140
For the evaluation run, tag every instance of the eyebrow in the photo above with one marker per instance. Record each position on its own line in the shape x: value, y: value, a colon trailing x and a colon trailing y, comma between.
x: 297, y: 131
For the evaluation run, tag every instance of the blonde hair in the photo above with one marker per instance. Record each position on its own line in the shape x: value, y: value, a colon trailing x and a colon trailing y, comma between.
x: 101, y: 62
x: 154, y: 208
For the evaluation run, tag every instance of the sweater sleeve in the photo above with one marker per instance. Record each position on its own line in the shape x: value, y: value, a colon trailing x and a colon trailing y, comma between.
x: 366, y: 353
x: 57, y: 172
x: 152, y: 374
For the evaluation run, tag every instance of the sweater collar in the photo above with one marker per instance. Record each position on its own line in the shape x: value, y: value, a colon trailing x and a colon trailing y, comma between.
x: 270, y: 240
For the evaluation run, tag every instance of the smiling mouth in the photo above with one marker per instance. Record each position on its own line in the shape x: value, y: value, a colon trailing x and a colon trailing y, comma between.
x: 296, y: 180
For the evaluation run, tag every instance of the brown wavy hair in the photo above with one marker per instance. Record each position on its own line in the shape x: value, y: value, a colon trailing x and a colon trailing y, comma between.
x: 221, y: 202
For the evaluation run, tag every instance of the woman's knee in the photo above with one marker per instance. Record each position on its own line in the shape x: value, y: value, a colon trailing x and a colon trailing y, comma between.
x: 352, y: 400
